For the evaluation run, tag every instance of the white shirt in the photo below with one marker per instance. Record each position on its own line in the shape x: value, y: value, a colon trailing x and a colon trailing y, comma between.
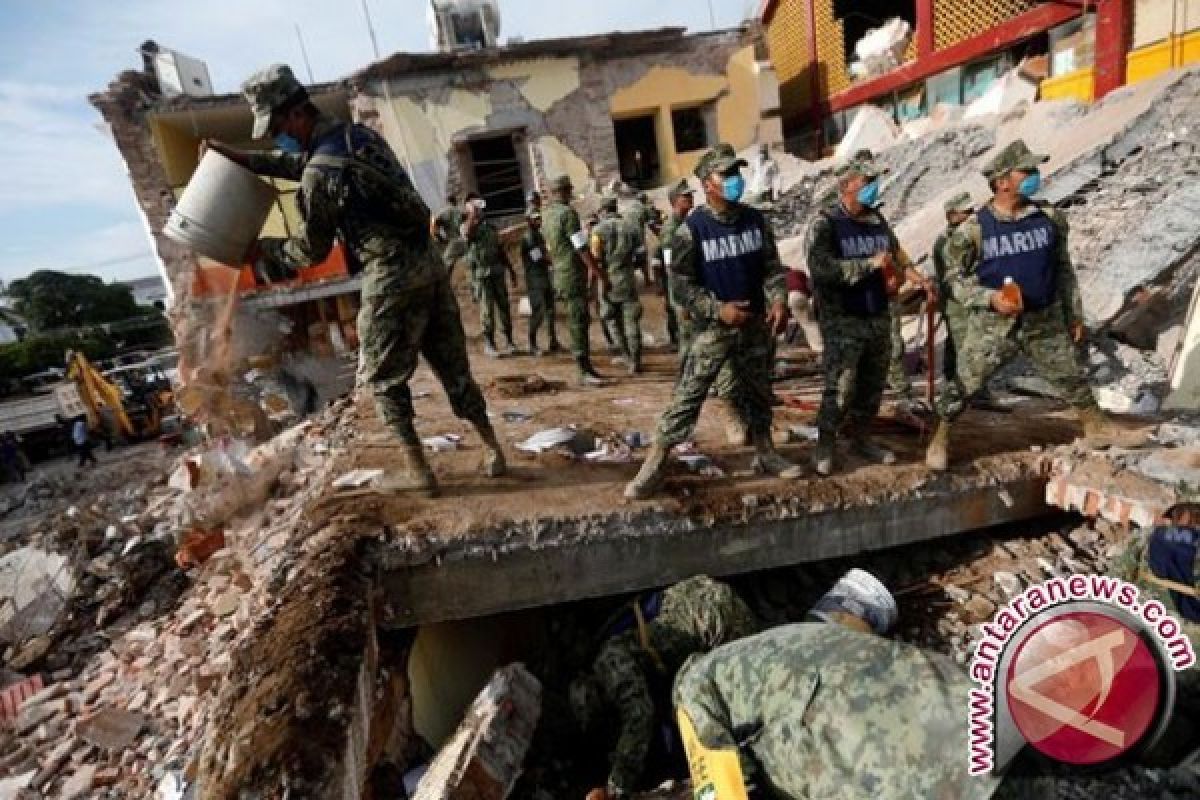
x: 79, y: 432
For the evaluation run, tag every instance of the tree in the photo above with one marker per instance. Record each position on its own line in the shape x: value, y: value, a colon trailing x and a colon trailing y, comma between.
x: 51, y: 300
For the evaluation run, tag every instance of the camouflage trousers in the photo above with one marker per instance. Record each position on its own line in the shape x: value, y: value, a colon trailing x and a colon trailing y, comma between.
x: 991, y: 341
x: 956, y: 333
x: 622, y: 314
x: 493, y: 305
x: 897, y: 379
x: 574, y: 297
x: 747, y: 354
x: 664, y: 289
x: 856, y: 360
x: 725, y: 380
x: 541, y: 310
x: 394, y: 328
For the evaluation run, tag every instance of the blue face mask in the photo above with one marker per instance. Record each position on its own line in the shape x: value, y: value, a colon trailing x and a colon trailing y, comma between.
x: 1031, y: 185
x: 869, y: 194
x: 288, y: 143
x: 733, y: 187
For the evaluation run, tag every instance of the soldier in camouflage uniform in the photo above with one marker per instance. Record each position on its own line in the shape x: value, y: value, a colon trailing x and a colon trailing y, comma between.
x: 536, y: 261
x: 352, y: 188
x: 488, y: 263
x: 959, y: 209
x: 817, y: 710
x: 1014, y: 238
x: 727, y: 274
x: 446, y: 228
x: 850, y: 248
x: 613, y: 242
x: 573, y: 264
x: 626, y: 695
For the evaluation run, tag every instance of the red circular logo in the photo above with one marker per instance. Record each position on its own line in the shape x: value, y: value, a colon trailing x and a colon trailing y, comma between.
x: 1083, y: 688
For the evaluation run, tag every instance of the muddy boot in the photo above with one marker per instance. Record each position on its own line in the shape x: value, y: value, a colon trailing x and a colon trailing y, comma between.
x: 767, y: 460
x: 414, y: 476
x: 823, y: 455
x: 494, y: 464
x: 510, y: 347
x: 1102, y: 432
x: 937, y: 457
x: 865, y: 447
x: 533, y: 347
x: 736, y: 432
x: 489, y: 348
x: 555, y: 347
x: 587, y: 374
x: 650, y: 478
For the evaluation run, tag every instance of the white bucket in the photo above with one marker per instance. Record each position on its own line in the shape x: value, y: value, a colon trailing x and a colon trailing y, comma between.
x: 222, y: 211
x: 859, y: 594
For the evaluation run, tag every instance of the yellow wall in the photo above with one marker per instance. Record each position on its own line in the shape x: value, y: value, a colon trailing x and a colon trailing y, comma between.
x: 1147, y: 62
x: 664, y: 89
x: 1076, y: 85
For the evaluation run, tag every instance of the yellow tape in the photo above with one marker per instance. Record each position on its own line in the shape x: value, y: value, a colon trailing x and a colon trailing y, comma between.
x: 716, y: 774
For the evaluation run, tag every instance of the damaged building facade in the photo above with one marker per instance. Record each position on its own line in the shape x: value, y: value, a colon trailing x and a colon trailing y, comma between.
x: 952, y: 51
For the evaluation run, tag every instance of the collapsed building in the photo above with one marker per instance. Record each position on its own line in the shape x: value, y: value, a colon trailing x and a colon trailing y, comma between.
x: 331, y: 636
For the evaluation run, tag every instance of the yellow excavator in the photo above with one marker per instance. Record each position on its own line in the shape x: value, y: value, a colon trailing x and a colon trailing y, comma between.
x: 136, y: 409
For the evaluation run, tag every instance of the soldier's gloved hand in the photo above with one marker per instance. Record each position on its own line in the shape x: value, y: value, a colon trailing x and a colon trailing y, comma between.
x: 735, y: 315
x: 1078, y: 331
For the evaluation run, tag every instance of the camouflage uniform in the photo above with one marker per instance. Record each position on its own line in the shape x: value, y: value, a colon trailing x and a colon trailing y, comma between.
x: 697, y: 615
x: 952, y: 310
x: 816, y: 710
x: 992, y: 340
x: 559, y: 223
x: 448, y: 224
x: 897, y: 377
x: 352, y: 188
x: 487, y: 260
x: 613, y: 243
x: 714, y: 345
x: 538, y: 286
x: 858, y: 349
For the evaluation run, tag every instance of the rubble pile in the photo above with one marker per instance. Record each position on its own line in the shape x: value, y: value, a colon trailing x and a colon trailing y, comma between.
x: 144, y: 647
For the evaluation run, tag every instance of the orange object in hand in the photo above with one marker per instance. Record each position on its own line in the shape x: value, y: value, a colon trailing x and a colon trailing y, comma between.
x: 1012, y: 294
x: 891, y: 280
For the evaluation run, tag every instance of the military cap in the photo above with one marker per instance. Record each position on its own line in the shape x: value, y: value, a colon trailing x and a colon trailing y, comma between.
x: 960, y: 202
x: 562, y: 183
x: 1015, y: 156
x: 269, y: 90
x: 862, y: 163
x: 721, y: 158
x: 532, y: 213
x: 679, y: 190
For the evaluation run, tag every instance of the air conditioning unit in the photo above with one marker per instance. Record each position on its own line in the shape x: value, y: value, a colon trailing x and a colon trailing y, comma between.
x: 181, y: 75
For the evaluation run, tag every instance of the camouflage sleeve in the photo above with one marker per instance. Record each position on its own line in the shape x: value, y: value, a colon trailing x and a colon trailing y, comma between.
x: 685, y: 278
x: 774, y: 277
x: 274, y: 163
x: 626, y: 689
x: 824, y: 262
x: 962, y: 256
x: 314, y: 240
x: 938, y: 257
x: 697, y: 695
x: 1068, y: 279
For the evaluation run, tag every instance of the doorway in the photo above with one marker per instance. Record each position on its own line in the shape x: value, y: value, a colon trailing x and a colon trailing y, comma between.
x: 498, y: 175
x: 637, y: 150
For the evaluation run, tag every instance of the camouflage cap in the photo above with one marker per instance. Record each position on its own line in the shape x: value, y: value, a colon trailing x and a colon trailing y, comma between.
x: 961, y: 203
x: 269, y: 90
x: 1015, y: 156
x: 721, y: 158
x: 862, y: 163
x: 562, y: 183
x: 533, y: 213
x: 679, y: 190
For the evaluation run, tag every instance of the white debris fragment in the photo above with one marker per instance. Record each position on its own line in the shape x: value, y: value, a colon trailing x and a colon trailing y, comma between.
x: 357, y: 478
x: 548, y: 439
x: 443, y: 443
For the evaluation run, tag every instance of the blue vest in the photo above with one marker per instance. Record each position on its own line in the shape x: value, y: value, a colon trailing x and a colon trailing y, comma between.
x: 857, y: 239
x: 732, y: 257
x: 1024, y: 250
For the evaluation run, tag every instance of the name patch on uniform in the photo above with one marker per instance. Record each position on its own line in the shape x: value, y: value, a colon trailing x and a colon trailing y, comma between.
x: 733, y: 246
x: 864, y: 246
x: 1008, y: 244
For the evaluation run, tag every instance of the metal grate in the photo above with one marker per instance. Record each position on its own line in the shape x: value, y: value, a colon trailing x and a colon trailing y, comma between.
x: 787, y: 38
x: 957, y: 21
x: 831, y: 50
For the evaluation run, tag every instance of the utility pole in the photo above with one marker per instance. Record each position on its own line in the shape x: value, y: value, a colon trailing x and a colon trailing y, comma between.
x: 304, y: 54
x: 371, y: 29
x: 712, y: 17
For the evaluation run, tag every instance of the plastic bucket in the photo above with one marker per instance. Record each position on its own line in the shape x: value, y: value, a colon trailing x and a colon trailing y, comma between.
x: 222, y: 211
x: 861, y: 595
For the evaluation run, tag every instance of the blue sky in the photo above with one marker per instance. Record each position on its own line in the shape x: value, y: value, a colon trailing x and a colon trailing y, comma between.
x: 67, y: 203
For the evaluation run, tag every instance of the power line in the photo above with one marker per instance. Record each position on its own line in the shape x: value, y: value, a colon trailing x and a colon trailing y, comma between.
x: 108, y: 262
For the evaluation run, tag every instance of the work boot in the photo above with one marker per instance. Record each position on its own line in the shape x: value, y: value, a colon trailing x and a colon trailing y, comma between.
x: 650, y: 477
x: 414, y: 476
x: 865, y: 447
x: 768, y: 461
x: 736, y: 432
x: 587, y: 374
x: 823, y: 455
x: 511, y: 347
x: 494, y: 463
x: 489, y: 348
x: 1102, y: 432
x: 937, y: 457
x: 555, y: 347
x: 533, y: 347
